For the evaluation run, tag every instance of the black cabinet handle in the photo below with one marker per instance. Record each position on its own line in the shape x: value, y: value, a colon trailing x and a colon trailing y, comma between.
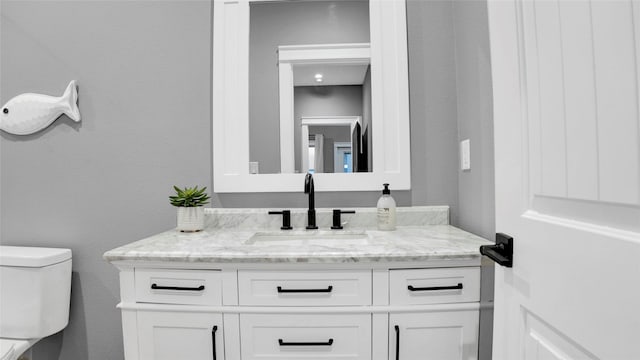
x: 501, y: 252
x: 282, y: 343
x: 434, y: 288
x: 327, y: 290
x: 397, y: 342
x: 213, y: 340
x: 156, y: 287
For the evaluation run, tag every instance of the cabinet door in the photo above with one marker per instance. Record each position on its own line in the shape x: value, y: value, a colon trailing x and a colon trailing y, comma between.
x: 178, y: 335
x: 447, y: 335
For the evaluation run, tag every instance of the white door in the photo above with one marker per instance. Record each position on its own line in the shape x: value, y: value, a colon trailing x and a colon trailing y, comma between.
x: 566, y: 100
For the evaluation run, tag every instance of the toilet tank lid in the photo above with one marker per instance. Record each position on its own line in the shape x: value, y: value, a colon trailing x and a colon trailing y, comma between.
x: 32, y: 256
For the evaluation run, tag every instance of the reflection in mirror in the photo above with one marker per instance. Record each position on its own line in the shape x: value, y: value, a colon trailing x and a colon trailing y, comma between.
x: 307, y: 59
x: 342, y: 106
x: 332, y: 145
x: 331, y: 149
x: 327, y: 155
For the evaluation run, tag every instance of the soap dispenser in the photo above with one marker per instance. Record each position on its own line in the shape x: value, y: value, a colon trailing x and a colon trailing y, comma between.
x: 386, y: 210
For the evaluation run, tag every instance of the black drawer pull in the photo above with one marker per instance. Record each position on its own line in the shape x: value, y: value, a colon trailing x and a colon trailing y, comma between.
x: 433, y: 288
x: 327, y: 290
x: 282, y: 343
x: 156, y: 287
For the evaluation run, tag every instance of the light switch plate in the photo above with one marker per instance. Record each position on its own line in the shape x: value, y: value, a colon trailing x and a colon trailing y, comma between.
x: 465, y: 154
x: 254, y: 167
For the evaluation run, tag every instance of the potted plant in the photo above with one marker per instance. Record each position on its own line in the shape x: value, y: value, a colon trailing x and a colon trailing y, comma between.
x: 189, y: 202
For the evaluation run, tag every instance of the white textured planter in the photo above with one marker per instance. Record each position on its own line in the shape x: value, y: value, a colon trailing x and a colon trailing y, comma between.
x: 190, y: 219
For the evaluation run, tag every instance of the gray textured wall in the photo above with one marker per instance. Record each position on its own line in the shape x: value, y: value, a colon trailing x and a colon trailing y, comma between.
x: 475, y: 116
x: 144, y: 71
x: 476, y: 208
x: 432, y: 87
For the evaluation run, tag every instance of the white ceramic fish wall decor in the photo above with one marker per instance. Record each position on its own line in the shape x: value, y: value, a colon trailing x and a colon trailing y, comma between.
x: 28, y: 113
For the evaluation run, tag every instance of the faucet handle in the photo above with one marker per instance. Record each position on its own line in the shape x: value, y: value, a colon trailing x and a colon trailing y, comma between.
x: 337, y: 223
x: 286, y: 218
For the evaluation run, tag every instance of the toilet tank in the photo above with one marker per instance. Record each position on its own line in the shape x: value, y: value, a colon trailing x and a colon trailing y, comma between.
x: 35, y: 289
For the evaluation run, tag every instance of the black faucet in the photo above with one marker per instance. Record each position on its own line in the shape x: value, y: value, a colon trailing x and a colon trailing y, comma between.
x: 311, y: 213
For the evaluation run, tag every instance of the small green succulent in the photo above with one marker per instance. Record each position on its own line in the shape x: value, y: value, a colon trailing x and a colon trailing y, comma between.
x: 189, y: 197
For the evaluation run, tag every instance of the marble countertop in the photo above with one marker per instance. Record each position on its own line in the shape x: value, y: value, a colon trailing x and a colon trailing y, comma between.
x: 242, y: 244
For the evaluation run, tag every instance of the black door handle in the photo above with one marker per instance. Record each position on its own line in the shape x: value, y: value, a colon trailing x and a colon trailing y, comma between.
x: 283, y: 343
x: 213, y: 340
x: 156, y: 287
x: 501, y: 252
x: 433, y: 288
x: 327, y: 290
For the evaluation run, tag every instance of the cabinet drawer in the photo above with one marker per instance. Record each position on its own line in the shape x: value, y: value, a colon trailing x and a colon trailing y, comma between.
x: 192, y: 287
x: 434, y: 286
x: 308, y: 336
x: 304, y: 288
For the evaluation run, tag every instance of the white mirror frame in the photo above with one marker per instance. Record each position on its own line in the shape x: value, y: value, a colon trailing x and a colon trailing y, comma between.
x: 389, y: 99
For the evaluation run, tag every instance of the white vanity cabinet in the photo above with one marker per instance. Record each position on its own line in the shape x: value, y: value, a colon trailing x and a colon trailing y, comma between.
x: 240, y: 290
x: 299, y: 312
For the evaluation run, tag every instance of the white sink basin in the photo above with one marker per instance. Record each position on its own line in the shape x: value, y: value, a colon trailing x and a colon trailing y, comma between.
x: 311, y: 237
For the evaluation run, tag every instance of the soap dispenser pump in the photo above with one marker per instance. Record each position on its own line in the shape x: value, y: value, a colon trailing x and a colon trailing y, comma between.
x: 386, y: 210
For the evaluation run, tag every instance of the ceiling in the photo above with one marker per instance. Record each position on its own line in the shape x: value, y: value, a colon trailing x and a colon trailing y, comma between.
x: 332, y: 74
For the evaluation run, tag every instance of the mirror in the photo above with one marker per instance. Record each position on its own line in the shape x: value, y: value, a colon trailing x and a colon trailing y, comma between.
x: 306, y: 58
x: 306, y: 85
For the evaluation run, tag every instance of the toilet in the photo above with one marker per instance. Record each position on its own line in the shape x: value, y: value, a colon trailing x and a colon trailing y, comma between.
x: 35, y: 289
